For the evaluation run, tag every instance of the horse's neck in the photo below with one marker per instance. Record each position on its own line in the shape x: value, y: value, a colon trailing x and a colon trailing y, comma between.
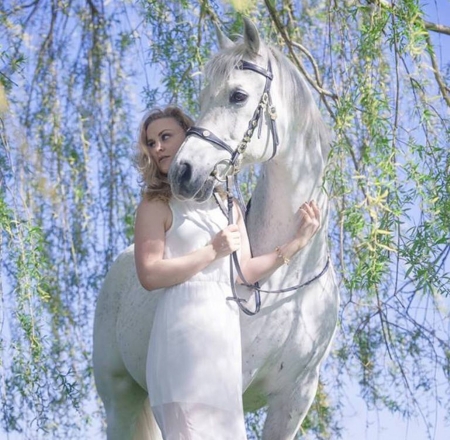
x: 284, y: 184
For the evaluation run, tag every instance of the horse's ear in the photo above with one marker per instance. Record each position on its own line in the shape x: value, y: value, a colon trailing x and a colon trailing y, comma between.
x: 224, y: 41
x: 251, y: 36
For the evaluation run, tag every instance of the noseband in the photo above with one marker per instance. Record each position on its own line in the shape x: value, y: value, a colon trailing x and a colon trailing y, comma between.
x: 265, y: 103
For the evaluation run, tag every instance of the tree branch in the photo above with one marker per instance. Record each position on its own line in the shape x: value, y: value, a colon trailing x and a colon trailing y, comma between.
x: 430, y: 27
x: 440, y: 28
x: 437, y: 74
x: 314, y: 83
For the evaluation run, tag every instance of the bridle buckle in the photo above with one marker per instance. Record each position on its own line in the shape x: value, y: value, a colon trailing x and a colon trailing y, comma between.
x: 272, y: 112
x: 224, y: 169
x: 264, y: 99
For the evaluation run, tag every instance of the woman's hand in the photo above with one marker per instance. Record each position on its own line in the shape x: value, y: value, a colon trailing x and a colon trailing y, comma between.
x: 309, y: 223
x: 226, y: 241
x: 262, y: 266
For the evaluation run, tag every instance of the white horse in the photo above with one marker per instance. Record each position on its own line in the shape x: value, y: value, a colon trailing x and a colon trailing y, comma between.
x: 285, y: 343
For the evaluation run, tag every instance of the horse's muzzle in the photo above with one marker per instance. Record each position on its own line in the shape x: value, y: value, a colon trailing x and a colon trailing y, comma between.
x: 186, y: 186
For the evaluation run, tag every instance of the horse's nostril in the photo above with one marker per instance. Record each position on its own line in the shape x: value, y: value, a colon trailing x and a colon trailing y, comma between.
x: 185, y: 172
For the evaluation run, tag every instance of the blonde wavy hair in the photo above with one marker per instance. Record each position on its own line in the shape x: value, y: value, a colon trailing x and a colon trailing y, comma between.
x: 154, y: 184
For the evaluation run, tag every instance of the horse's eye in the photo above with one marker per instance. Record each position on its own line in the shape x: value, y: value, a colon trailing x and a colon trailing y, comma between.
x: 238, y: 97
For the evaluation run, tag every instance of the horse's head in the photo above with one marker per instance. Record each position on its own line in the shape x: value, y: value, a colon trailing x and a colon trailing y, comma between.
x: 236, y: 80
x: 238, y: 124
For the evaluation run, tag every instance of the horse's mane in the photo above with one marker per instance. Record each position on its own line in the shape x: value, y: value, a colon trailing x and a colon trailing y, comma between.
x: 309, y: 120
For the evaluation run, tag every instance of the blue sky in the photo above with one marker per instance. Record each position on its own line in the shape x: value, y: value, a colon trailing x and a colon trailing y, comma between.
x: 360, y: 423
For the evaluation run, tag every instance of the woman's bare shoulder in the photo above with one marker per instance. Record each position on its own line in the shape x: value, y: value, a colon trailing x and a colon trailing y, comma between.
x: 153, y: 203
x: 156, y: 209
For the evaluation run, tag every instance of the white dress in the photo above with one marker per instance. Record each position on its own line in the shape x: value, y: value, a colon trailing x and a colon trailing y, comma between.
x: 194, y: 373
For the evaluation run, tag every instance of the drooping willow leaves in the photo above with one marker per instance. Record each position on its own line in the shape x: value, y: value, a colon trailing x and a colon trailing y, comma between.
x: 77, y: 76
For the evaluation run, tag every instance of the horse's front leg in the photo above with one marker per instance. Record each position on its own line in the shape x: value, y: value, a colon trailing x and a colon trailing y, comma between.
x: 287, y: 408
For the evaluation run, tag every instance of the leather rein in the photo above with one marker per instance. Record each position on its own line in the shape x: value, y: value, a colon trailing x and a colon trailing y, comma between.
x: 231, y: 168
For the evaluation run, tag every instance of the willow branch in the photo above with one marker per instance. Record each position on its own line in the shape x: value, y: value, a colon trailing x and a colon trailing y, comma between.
x: 444, y: 89
x: 439, y: 28
x: 311, y: 59
x: 437, y: 74
x: 209, y: 11
x: 394, y: 138
x: 290, y: 44
x: 428, y: 25
x: 7, y: 78
x: 93, y: 8
x: 315, y: 84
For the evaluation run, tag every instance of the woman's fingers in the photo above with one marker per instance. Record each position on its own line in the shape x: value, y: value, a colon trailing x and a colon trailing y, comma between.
x: 311, y: 210
x: 307, y: 210
x: 315, y: 209
x: 309, y: 221
x: 227, y: 241
x: 234, y: 237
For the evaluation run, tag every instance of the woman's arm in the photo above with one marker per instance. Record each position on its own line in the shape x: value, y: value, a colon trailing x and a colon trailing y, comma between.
x: 256, y: 268
x: 153, y: 218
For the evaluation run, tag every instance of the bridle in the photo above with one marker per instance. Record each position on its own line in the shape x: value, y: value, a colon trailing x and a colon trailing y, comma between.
x: 231, y: 166
x: 226, y: 169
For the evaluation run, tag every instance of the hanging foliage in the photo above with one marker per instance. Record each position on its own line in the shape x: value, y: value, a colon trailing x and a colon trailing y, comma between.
x: 75, y: 77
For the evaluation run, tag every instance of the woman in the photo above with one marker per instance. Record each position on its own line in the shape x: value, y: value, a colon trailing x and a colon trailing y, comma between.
x: 194, y: 358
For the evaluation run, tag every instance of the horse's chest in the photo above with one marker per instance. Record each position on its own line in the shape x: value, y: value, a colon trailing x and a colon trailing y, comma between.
x: 292, y: 337
x: 265, y: 338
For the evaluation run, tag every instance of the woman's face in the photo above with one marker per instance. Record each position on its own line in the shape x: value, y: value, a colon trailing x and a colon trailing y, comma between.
x: 164, y: 138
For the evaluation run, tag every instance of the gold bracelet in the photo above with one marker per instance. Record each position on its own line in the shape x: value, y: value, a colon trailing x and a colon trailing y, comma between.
x: 280, y: 255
